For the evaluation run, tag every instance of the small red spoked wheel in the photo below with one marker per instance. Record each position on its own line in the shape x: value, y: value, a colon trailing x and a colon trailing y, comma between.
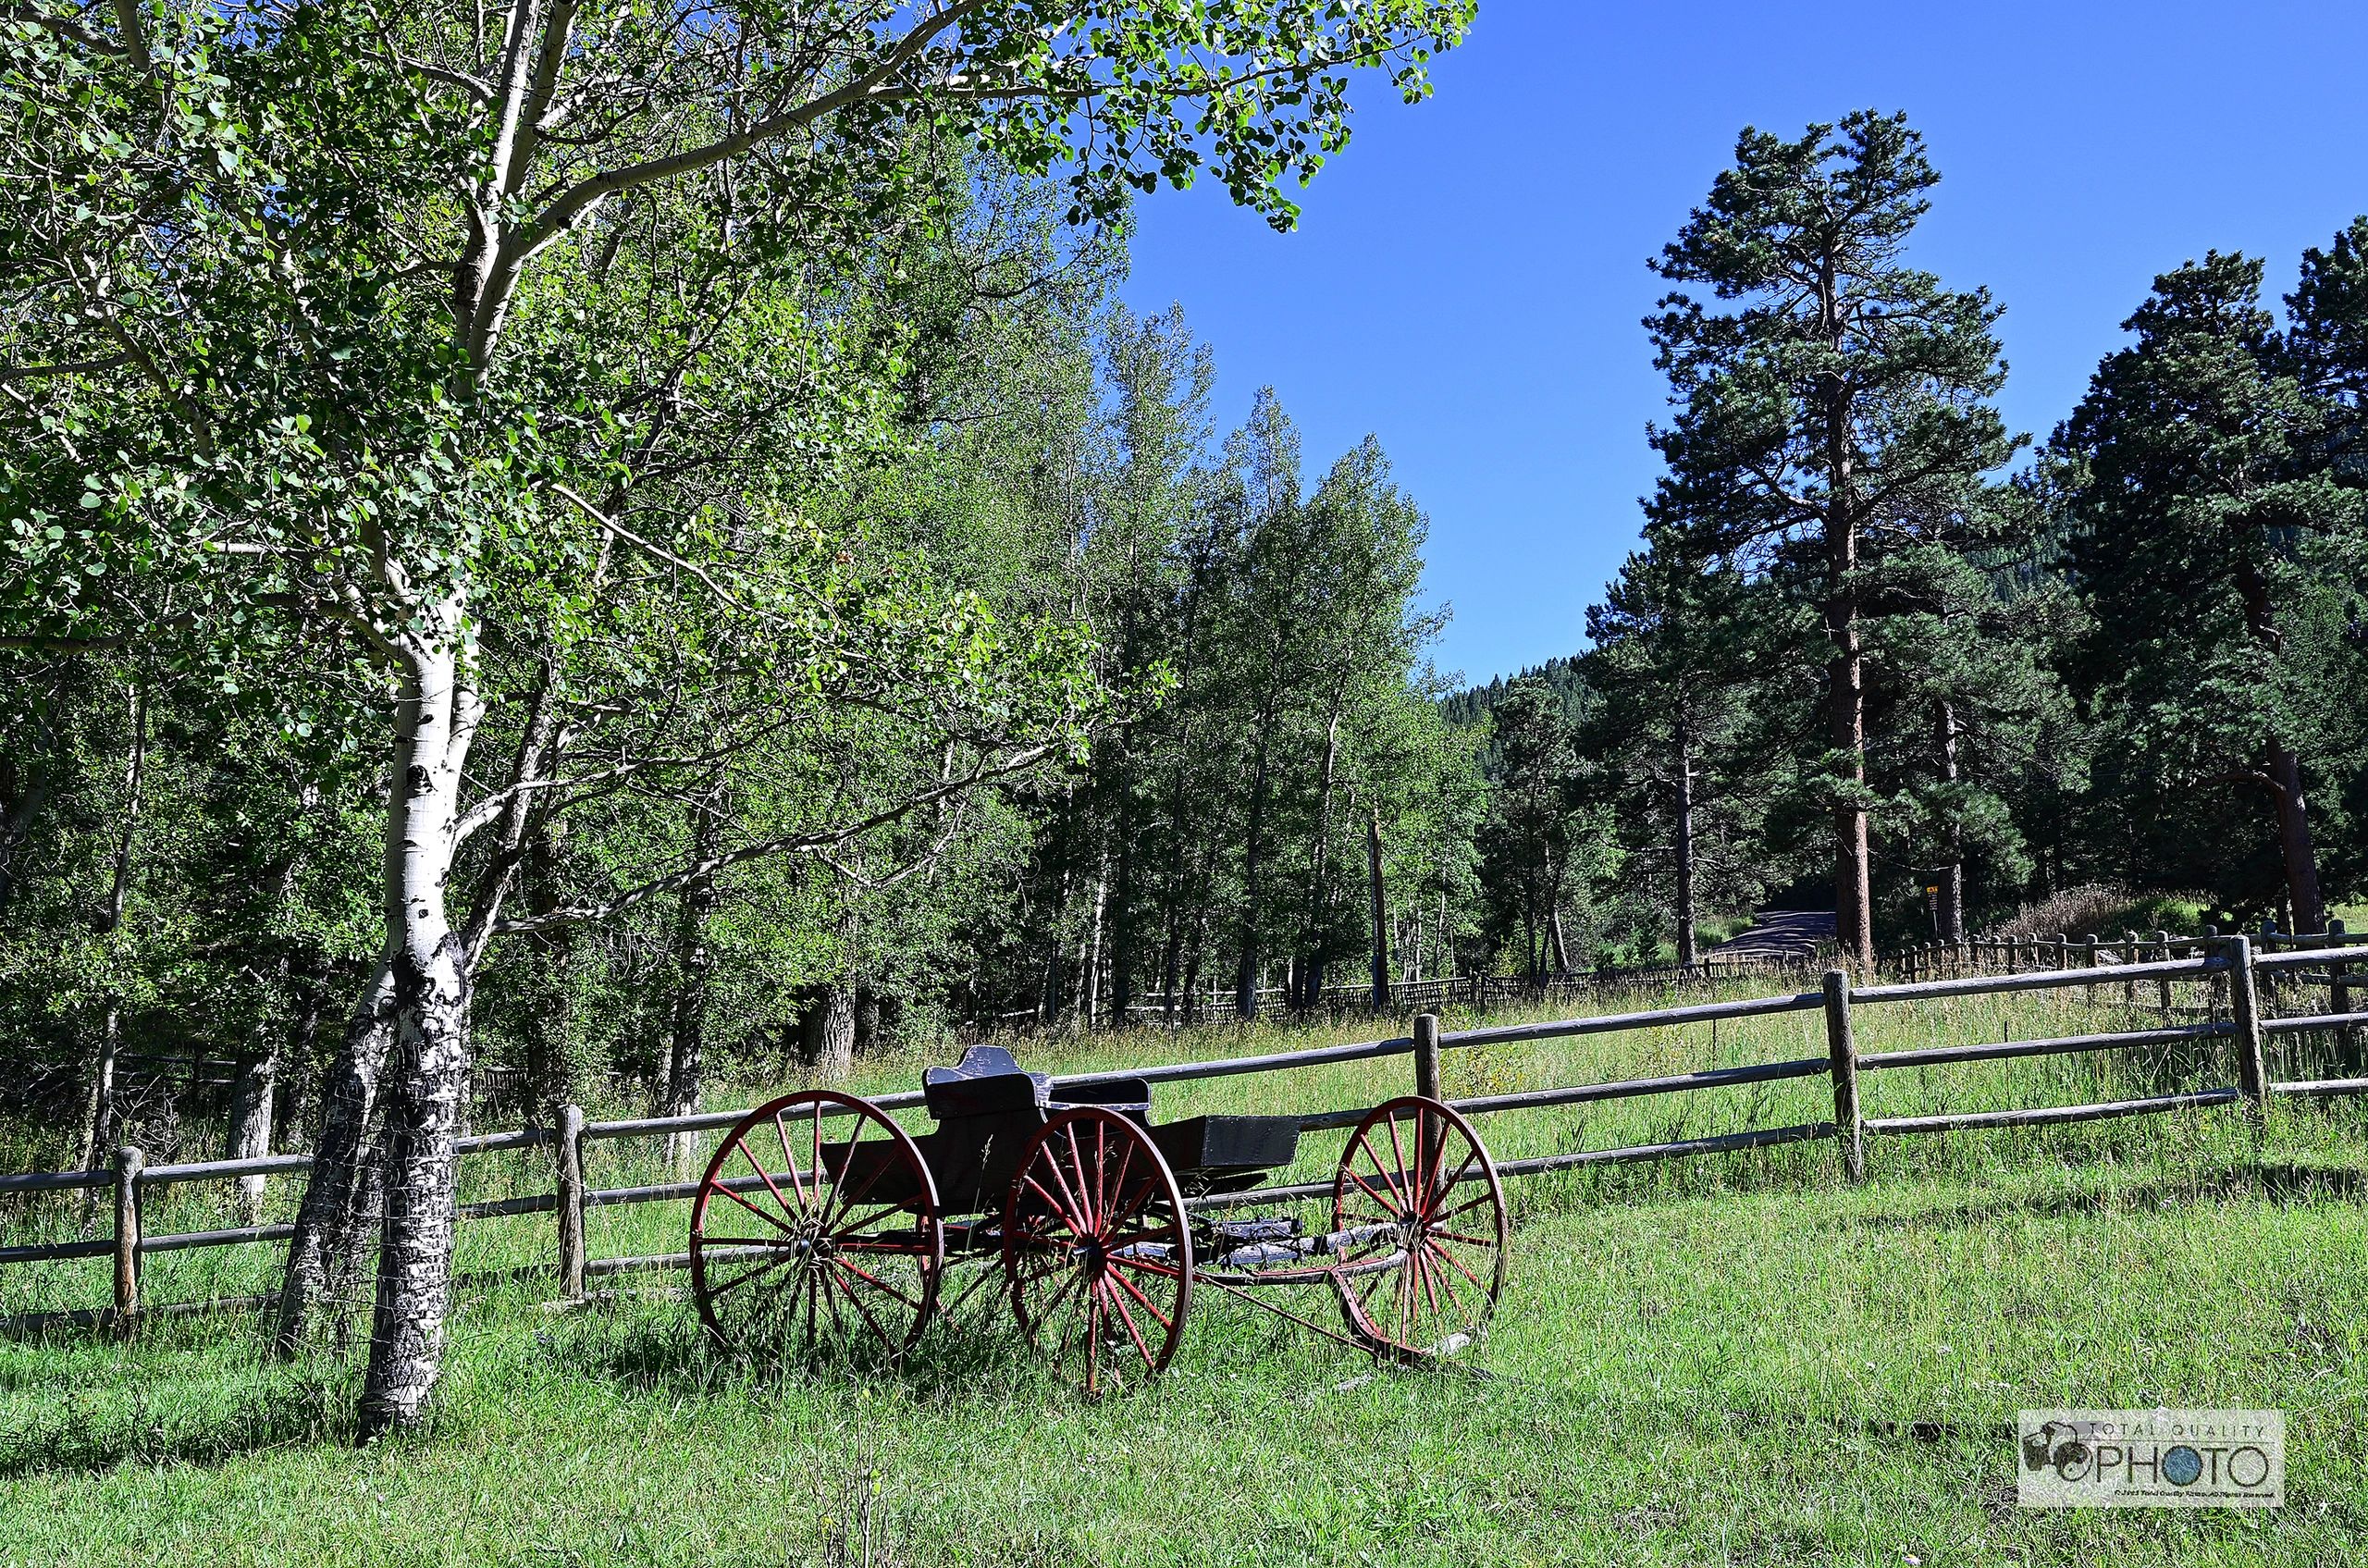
x: 1417, y: 1184
x: 817, y: 1221
x: 1097, y: 1250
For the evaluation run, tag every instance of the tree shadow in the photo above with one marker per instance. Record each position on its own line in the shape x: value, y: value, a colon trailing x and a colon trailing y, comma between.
x: 193, y: 1422
x: 672, y: 1354
x: 2282, y: 1182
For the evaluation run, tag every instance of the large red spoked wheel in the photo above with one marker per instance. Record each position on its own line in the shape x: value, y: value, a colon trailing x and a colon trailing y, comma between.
x: 817, y: 1221
x: 1097, y: 1250
x: 1416, y: 1182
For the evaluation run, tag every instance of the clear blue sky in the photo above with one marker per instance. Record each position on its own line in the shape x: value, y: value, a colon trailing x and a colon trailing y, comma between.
x: 1468, y: 278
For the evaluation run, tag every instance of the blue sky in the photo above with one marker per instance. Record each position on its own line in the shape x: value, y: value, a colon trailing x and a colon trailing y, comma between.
x: 1467, y: 281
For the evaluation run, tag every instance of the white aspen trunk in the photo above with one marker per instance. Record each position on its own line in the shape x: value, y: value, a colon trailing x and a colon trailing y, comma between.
x: 1310, y: 988
x: 1089, y: 983
x: 1686, y: 955
x: 694, y: 961
x: 98, y: 1122
x: 251, y: 1107
x: 428, y: 1062
x: 1380, y: 910
x: 1951, y: 883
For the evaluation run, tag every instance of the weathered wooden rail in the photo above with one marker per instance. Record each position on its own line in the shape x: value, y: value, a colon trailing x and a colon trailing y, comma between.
x: 2227, y: 964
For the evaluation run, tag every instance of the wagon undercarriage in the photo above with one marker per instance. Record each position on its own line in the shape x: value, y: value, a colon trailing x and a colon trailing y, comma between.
x: 820, y: 1217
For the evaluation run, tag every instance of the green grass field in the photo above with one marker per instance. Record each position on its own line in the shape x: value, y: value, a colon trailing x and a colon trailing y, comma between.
x: 1735, y: 1359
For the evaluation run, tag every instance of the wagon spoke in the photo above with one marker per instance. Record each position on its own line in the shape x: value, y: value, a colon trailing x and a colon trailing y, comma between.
x: 1448, y: 1285
x: 763, y: 1174
x: 797, y: 1179
x: 1485, y: 1197
x: 1395, y: 1211
x: 767, y: 1266
x: 852, y: 1223
x: 1100, y: 1174
x: 1058, y: 1212
x: 1118, y: 1304
x: 774, y: 1243
x: 1093, y: 1344
x: 1429, y: 1293
x: 1118, y: 1187
x: 1148, y: 1265
x: 1068, y: 1207
x: 1347, y: 1167
x: 775, y: 1221
x: 1439, y: 1192
x: 1077, y: 1163
x: 1142, y: 1199
x: 842, y: 1287
x: 1398, y: 1166
x: 1149, y: 1305
x: 876, y: 1282
x: 1489, y: 1242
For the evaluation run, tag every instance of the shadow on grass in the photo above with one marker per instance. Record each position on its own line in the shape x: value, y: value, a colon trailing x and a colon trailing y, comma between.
x: 2283, y: 1182
x: 185, y: 1421
x: 672, y: 1354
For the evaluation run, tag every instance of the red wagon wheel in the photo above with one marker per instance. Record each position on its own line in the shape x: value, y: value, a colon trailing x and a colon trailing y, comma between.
x: 817, y: 1220
x: 1415, y: 1183
x: 1097, y: 1250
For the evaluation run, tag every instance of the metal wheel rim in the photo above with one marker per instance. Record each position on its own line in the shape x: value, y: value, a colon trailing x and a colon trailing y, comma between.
x: 854, y: 1286
x: 1453, y: 1227
x: 1096, y: 1238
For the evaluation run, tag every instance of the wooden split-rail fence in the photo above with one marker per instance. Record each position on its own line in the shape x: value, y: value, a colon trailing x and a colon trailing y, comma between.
x: 2232, y: 965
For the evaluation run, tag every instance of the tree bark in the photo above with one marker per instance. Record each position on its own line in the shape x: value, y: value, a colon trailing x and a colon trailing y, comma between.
x: 1380, y: 912
x: 1682, y: 811
x: 1245, y: 974
x: 693, y: 962
x: 98, y: 1122
x: 1122, y: 905
x: 2294, y: 840
x: 251, y: 1099
x: 1846, y: 680
x: 428, y: 984
x: 1089, y: 982
x: 1952, y: 882
x: 549, y: 1026
x: 1048, y: 1001
x: 424, y: 1110
x: 332, y: 1215
x: 827, y: 1033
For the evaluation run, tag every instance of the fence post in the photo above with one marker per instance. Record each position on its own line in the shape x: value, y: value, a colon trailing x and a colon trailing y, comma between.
x: 129, y: 1165
x: 1842, y: 1051
x: 2062, y: 950
x: 2244, y: 1005
x: 2348, y: 1036
x: 2162, y: 952
x: 2131, y: 953
x: 1426, y: 1057
x: 571, y: 1202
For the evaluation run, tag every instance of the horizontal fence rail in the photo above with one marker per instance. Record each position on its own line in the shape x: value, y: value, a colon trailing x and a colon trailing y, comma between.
x: 2227, y: 964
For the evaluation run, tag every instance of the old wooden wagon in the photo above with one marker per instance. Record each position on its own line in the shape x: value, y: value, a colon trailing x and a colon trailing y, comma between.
x: 820, y: 1217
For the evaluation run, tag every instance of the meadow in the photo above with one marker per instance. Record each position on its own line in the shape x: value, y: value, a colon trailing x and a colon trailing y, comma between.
x: 1739, y: 1358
